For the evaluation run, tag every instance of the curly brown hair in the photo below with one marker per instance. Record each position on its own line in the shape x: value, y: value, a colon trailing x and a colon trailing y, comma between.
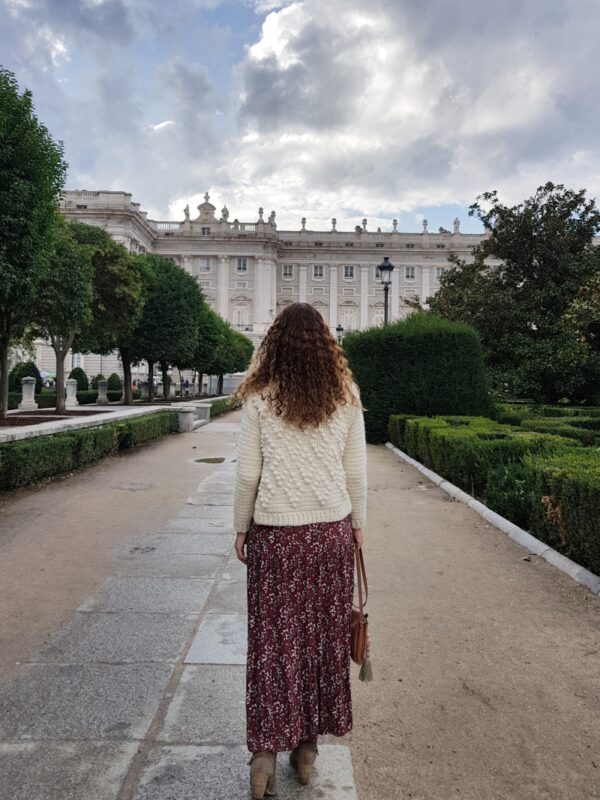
x: 301, y: 367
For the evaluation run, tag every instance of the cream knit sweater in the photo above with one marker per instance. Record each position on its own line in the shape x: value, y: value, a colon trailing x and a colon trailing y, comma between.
x: 288, y: 476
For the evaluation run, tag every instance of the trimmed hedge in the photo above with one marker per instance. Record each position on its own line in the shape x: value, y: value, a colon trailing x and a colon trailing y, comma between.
x: 222, y: 405
x: 565, y: 513
x: 79, y: 375
x: 543, y: 482
x: 24, y: 369
x: 143, y: 429
x: 27, y: 461
x: 420, y: 365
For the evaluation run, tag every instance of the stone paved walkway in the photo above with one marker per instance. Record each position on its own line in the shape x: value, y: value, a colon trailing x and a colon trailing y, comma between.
x: 486, y: 660
x: 141, y: 695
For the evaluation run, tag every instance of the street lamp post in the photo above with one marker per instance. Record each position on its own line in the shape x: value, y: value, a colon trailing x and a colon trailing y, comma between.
x: 340, y: 333
x: 385, y: 275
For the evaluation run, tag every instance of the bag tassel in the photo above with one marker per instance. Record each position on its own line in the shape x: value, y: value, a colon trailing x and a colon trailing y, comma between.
x: 366, y: 668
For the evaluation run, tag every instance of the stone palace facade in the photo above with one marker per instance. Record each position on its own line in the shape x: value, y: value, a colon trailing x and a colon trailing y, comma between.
x: 249, y: 270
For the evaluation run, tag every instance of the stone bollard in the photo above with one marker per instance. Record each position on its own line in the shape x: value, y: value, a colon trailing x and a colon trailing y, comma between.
x: 71, y: 401
x: 102, y: 393
x: 28, y: 395
x: 203, y: 410
x: 186, y: 418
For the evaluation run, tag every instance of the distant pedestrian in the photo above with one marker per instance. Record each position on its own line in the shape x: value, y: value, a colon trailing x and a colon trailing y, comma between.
x: 299, y: 509
x: 187, y: 387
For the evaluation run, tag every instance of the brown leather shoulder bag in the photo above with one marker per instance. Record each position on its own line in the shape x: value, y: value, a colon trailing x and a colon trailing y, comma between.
x: 359, y: 624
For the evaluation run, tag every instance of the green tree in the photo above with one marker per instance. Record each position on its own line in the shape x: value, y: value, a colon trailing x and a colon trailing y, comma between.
x: 32, y: 175
x: 79, y: 375
x: 118, y: 299
x: 211, y: 331
x: 24, y: 369
x: 63, y: 305
x: 167, y: 330
x: 525, y: 274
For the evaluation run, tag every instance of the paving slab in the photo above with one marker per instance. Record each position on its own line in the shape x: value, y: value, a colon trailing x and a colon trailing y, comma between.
x: 171, y: 565
x: 206, y: 511
x: 222, y: 773
x: 118, y: 637
x: 220, y: 639
x: 222, y: 427
x: 158, y: 595
x: 64, y: 770
x: 81, y: 701
x: 210, y: 498
x: 183, y: 524
x: 217, y: 544
x: 235, y: 570
x: 209, y: 706
x: 228, y: 597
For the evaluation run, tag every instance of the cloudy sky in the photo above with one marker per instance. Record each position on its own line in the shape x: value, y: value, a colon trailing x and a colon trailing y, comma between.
x: 316, y: 108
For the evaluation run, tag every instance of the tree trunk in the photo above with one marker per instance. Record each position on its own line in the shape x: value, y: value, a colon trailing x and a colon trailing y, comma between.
x: 150, y: 381
x: 3, y: 377
x: 199, y: 376
x: 220, y: 385
x: 127, y: 398
x: 165, y: 378
x: 180, y: 383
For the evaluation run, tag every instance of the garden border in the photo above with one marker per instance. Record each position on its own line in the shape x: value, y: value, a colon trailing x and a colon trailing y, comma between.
x: 517, y: 534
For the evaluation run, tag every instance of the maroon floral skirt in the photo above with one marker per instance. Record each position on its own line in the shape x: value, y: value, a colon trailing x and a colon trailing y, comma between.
x: 300, y: 590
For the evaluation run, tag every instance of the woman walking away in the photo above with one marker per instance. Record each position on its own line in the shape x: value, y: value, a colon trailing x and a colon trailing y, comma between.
x: 299, y: 509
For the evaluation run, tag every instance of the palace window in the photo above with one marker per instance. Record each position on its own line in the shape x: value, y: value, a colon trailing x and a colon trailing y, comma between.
x: 377, y: 317
x: 349, y: 244
x: 348, y: 318
x: 439, y: 271
x: 410, y: 246
x: 440, y: 246
x: 377, y: 274
x: 379, y: 244
x: 81, y: 207
x: 241, y: 317
x: 409, y: 273
x: 288, y: 271
x: 205, y: 231
x: 241, y: 265
x: 318, y: 271
x: 349, y: 271
x: 318, y: 244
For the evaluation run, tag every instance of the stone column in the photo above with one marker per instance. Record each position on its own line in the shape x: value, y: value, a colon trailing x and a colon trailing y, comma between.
x: 302, y: 269
x: 102, y: 393
x: 268, y: 291
x: 425, y: 285
x: 364, y: 296
x: 395, y: 291
x: 274, y: 267
x: 28, y: 394
x: 71, y: 401
x: 223, y: 288
x: 333, y: 296
x: 259, y: 289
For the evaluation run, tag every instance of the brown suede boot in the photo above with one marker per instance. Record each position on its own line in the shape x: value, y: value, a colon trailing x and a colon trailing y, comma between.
x: 303, y: 759
x: 263, y: 767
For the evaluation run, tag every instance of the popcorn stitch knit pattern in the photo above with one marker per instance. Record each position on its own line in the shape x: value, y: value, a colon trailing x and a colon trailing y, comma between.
x: 288, y: 476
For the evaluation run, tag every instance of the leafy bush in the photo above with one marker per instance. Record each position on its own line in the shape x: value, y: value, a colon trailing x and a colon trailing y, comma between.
x: 82, y: 379
x: 27, y: 461
x: 115, y: 384
x: 24, y: 369
x: 565, y: 513
x: 95, y: 379
x: 420, y: 365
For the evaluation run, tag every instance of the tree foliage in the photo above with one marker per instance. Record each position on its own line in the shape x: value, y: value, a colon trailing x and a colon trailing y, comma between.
x: 63, y: 306
x: 525, y: 275
x: 32, y: 174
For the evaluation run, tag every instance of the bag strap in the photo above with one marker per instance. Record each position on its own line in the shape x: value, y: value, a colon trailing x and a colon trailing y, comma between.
x: 362, y: 578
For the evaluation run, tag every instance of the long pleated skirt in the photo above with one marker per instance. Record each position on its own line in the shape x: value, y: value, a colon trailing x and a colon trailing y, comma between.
x: 300, y: 590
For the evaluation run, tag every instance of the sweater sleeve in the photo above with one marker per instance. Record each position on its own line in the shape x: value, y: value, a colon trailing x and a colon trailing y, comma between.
x: 355, y: 466
x: 248, y: 467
